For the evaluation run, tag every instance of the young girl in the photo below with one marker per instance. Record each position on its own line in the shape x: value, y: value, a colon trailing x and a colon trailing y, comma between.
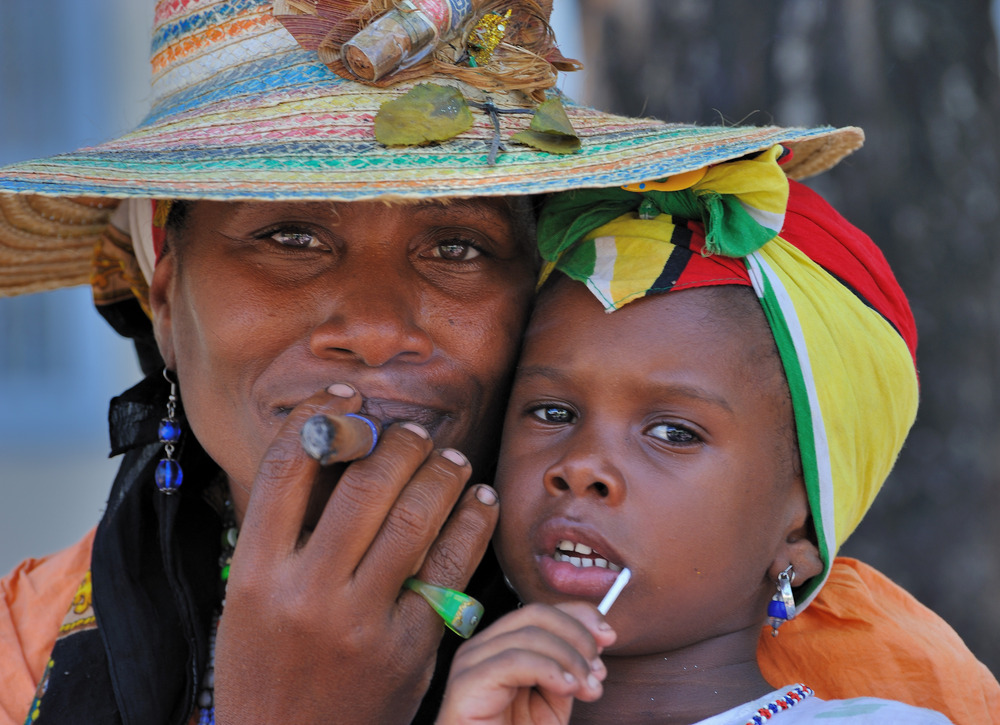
x: 719, y: 442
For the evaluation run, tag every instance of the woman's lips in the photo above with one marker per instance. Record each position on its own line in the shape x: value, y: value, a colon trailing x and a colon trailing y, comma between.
x: 387, y: 412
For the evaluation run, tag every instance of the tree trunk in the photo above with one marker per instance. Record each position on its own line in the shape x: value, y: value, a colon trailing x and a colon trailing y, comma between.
x: 920, y: 77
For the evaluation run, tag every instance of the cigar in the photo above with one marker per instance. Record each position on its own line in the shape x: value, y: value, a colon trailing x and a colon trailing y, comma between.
x: 614, y: 591
x: 338, y: 438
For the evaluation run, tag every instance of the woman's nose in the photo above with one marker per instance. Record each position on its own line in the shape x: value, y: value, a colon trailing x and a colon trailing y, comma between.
x: 375, y: 316
x: 585, y: 469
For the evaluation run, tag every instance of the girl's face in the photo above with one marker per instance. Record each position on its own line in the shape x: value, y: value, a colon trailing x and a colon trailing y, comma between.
x: 657, y: 438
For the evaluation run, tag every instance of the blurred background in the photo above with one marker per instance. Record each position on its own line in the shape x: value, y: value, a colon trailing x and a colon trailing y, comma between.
x: 71, y: 74
x: 920, y: 76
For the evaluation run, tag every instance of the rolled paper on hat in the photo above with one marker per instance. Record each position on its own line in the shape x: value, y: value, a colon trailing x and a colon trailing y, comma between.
x: 460, y: 612
x: 339, y: 438
x: 401, y: 37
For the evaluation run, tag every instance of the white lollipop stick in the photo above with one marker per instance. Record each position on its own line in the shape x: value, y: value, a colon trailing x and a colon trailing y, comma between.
x: 614, y: 591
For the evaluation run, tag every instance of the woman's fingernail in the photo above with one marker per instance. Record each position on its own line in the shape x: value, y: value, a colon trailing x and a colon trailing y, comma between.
x: 604, y: 627
x: 342, y: 390
x: 486, y: 495
x: 568, y: 676
x: 597, y: 666
x: 592, y: 682
x: 415, y: 428
x: 454, y: 456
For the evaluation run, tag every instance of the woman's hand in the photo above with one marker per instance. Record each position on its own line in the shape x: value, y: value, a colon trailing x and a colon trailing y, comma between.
x: 527, y: 668
x: 316, y: 627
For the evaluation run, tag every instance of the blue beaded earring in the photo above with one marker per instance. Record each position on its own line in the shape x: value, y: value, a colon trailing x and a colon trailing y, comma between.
x: 168, y: 471
x: 781, y: 608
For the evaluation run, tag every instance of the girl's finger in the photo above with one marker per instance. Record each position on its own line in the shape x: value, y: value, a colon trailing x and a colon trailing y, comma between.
x: 488, y: 688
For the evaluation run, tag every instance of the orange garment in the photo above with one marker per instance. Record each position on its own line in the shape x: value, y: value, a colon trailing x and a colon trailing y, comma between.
x: 36, y: 597
x: 863, y: 635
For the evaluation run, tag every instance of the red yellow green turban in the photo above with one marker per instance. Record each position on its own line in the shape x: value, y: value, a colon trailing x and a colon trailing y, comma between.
x: 842, y: 325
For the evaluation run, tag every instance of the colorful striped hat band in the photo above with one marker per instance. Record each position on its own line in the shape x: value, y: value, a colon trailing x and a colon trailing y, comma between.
x: 254, y: 100
x: 843, y: 328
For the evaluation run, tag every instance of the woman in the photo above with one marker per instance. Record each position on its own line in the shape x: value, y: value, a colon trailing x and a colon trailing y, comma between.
x: 321, y: 261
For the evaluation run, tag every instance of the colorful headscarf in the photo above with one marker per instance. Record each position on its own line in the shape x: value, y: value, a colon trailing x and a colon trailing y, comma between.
x: 842, y: 324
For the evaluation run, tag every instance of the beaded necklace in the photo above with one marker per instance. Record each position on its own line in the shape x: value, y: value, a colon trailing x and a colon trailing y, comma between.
x: 206, y: 697
x: 797, y: 694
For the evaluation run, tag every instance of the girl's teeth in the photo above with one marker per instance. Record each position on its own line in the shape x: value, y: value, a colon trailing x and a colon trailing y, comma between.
x: 567, y: 545
x: 584, y: 562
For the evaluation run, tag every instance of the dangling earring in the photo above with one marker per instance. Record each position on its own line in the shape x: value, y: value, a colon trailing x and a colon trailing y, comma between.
x: 168, y: 471
x: 781, y: 608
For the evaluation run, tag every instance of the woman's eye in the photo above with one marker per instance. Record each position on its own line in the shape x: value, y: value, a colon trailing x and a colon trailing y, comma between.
x: 301, y: 240
x: 456, y: 251
x: 554, y: 414
x: 673, y: 434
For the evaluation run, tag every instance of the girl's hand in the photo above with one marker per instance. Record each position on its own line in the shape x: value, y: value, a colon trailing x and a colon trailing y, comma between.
x: 527, y: 668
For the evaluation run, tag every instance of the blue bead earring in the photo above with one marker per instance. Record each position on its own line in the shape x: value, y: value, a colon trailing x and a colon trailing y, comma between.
x: 781, y: 608
x: 168, y: 471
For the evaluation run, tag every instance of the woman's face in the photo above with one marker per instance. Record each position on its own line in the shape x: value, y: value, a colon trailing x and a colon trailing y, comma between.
x: 658, y: 438
x: 420, y: 307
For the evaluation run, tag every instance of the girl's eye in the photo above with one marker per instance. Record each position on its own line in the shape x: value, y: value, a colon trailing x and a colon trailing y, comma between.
x: 673, y: 434
x: 456, y: 251
x: 300, y: 240
x: 554, y: 414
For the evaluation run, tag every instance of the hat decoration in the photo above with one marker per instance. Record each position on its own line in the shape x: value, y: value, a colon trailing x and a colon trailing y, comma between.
x: 495, y: 46
x: 241, y: 110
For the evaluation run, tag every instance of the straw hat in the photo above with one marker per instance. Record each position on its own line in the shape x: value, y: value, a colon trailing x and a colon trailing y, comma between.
x: 244, y: 109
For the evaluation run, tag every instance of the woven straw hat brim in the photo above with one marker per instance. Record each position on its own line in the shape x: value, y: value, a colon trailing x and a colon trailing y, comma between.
x: 284, y: 127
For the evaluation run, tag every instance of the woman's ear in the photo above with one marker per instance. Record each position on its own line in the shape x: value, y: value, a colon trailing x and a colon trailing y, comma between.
x: 161, y: 296
x: 797, y: 548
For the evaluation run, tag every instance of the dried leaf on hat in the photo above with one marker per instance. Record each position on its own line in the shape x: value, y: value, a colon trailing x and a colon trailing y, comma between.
x: 308, y: 23
x: 427, y: 113
x: 294, y: 7
x: 550, y: 130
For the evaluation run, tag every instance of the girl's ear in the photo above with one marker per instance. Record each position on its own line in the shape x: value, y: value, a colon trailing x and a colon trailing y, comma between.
x: 161, y: 296
x: 797, y: 548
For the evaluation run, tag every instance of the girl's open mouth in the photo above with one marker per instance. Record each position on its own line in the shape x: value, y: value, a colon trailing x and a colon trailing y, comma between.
x: 582, y: 556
